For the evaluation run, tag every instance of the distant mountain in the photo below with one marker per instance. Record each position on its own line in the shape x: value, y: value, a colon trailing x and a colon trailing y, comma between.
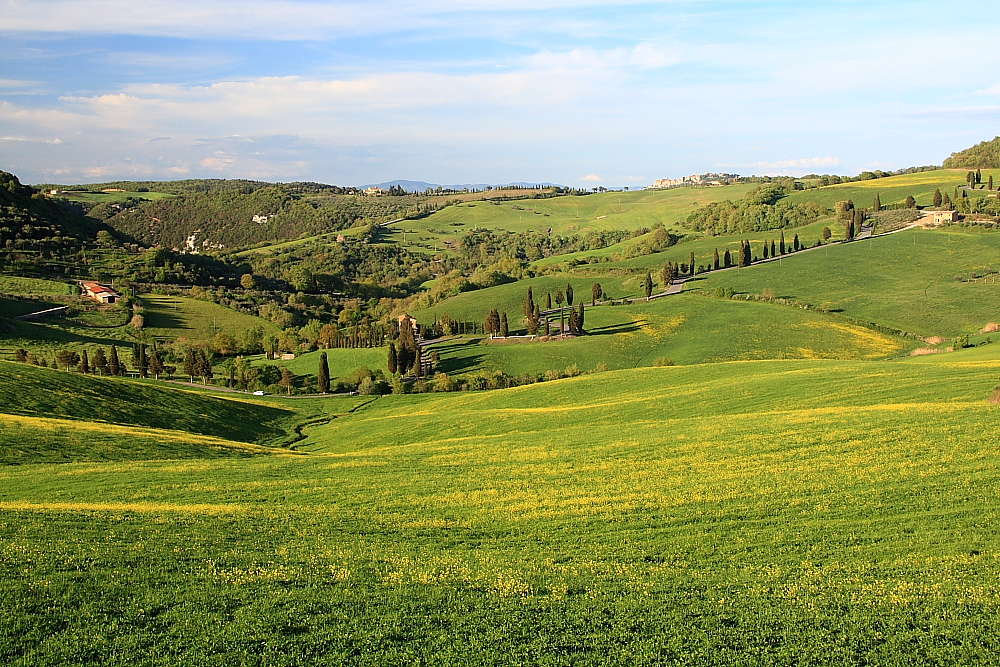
x: 421, y: 186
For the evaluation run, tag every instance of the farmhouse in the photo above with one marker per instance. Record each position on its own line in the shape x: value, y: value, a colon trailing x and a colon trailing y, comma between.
x: 945, y: 216
x: 374, y: 191
x: 98, y: 292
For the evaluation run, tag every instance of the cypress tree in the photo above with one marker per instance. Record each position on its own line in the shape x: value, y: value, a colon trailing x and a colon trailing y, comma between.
x: 572, y: 321
x: 765, y: 250
x: 715, y: 260
x: 190, y: 364
x: 529, y: 303
x: 795, y: 243
x: 548, y: 301
x: 287, y: 380
x: 569, y: 295
x: 946, y: 204
x: 143, y: 363
x: 546, y: 321
x: 596, y: 291
x: 781, y: 243
x: 979, y: 175
x: 989, y: 185
x: 100, y: 361
x: 727, y: 259
x: 115, y: 364
x: 205, y: 367
x: 648, y: 285
x: 773, y: 253
x: 504, y: 330
x: 323, y: 376
x: 691, y: 264
x: 877, y: 204
x: 156, y: 364
x: 937, y: 199
x: 579, y: 320
x: 392, y: 358
x: 84, y: 363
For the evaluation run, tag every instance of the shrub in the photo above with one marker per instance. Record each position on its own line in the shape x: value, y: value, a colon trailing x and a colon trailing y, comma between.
x: 601, y: 368
x: 572, y: 371
x: 663, y: 361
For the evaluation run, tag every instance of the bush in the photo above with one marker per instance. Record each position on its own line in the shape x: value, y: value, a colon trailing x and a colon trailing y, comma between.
x: 663, y: 361
x: 572, y: 371
x: 601, y: 368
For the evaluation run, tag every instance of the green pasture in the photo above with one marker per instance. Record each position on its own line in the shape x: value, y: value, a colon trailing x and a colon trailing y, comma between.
x: 904, y: 280
x: 20, y: 286
x: 173, y: 317
x: 895, y: 189
x: 341, y: 361
x: 765, y: 513
x: 688, y: 329
x: 565, y: 216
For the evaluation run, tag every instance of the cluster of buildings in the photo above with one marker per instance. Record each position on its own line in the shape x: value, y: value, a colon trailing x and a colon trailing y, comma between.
x: 695, y: 179
x: 99, y: 293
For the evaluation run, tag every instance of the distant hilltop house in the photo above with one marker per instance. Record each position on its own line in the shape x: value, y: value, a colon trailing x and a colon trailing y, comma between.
x: 98, y: 292
x: 413, y: 321
x: 260, y: 219
x: 374, y: 191
x: 695, y: 179
x: 945, y: 216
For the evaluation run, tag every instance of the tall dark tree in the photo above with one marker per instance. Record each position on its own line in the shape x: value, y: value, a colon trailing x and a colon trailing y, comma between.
x: 827, y: 233
x: 532, y: 320
x: 408, y: 352
x: 795, y: 243
x: 114, y: 363
x: 979, y: 176
x: 579, y: 320
x: 504, y: 329
x: 781, y: 243
x: 548, y: 301
x: 84, y: 363
x: 989, y: 185
x: 572, y: 322
x: 937, y: 200
x: 569, y: 295
x: 596, y: 292
x: 205, y: 366
x: 100, y: 361
x: 156, y: 366
x: 392, y: 358
x: 191, y: 364
x: 529, y: 303
x: 877, y: 204
x: 559, y: 297
x: 287, y: 380
x: 765, y: 253
x: 545, y: 322
x: 647, y: 285
x: 946, y: 204
x: 667, y: 275
x: 323, y: 375
x: 691, y: 264
x: 773, y: 251
x: 142, y: 364
x: 727, y: 259
x: 910, y: 202
x: 715, y: 259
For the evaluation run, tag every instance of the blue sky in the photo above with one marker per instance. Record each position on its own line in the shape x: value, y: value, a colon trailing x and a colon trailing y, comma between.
x: 583, y: 93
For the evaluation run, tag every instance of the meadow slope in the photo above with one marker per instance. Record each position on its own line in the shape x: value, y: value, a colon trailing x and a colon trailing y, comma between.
x: 745, y: 513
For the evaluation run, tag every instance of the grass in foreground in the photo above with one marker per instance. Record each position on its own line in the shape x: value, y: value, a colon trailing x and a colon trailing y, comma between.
x: 748, y: 513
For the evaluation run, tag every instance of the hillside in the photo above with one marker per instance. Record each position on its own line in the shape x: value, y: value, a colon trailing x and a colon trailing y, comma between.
x: 30, y: 391
x: 751, y: 508
x: 984, y: 155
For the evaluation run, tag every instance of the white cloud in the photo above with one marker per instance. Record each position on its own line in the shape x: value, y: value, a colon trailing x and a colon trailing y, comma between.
x: 590, y: 177
x: 992, y: 90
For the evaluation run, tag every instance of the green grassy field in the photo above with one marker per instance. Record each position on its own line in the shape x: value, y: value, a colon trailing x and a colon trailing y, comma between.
x: 563, y: 215
x: 894, y: 189
x: 688, y: 329
x: 342, y: 362
x: 20, y: 286
x: 172, y: 317
x: 778, y: 512
x: 904, y: 280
